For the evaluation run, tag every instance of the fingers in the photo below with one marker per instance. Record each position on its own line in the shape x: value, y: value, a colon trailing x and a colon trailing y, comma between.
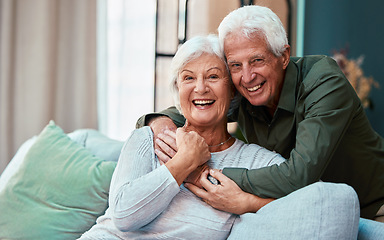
x: 163, y: 158
x: 165, y: 145
x: 171, y: 133
x: 218, y: 175
x: 208, y: 185
x: 168, y: 137
x: 196, y: 190
x: 164, y: 148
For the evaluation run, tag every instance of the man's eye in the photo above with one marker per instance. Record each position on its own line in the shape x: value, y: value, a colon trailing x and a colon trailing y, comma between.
x: 257, y: 60
x: 235, y: 67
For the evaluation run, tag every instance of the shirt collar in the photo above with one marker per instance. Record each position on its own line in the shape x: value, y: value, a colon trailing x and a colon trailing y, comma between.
x: 288, y: 93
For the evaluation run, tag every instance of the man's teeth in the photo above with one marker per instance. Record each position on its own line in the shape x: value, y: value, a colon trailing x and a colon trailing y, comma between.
x: 203, y: 102
x: 255, y: 88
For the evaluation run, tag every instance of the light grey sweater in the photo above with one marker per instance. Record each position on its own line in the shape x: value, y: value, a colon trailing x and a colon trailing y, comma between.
x: 146, y: 202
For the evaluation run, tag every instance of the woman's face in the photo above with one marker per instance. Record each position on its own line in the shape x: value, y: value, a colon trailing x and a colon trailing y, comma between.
x: 205, y: 91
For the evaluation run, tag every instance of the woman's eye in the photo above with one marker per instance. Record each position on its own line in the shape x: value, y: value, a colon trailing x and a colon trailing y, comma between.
x: 213, y: 77
x: 188, y: 78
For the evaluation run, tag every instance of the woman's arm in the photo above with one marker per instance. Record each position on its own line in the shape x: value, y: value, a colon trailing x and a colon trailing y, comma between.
x: 140, y: 189
x: 137, y: 182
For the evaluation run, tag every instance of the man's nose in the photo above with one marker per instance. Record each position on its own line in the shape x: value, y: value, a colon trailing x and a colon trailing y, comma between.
x: 247, y: 74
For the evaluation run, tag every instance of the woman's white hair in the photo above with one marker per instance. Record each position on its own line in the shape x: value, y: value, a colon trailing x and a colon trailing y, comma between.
x: 190, y: 50
x: 250, y: 20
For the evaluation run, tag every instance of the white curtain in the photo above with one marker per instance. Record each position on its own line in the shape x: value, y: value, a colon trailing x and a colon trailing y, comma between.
x: 47, y: 68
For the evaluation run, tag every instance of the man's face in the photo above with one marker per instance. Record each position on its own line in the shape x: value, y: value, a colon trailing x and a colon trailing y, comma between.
x: 256, y: 72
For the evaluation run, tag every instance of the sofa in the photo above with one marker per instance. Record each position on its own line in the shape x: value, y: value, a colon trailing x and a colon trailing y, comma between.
x: 57, y: 184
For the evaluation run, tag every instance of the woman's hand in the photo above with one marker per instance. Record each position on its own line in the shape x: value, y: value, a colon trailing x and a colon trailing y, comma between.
x: 192, y: 152
x: 192, y: 147
x: 194, y: 177
x: 164, y: 136
x: 226, y: 196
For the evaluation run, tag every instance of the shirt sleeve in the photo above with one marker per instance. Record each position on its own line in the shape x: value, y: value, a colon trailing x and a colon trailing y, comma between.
x: 328, y: 105
x: 170, y: 112
x: 141, y: 189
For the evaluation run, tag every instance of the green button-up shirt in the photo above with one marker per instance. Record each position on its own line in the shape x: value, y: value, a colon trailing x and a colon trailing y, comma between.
x: 320, y: 127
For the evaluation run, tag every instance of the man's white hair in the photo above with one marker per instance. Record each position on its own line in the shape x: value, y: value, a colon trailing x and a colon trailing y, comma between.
x: 251, y: 20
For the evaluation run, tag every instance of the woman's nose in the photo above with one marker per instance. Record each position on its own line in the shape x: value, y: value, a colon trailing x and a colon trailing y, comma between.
x: 201, y: 86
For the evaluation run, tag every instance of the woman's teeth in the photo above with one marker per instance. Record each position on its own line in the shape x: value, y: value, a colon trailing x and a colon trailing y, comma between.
x: 203, y: 102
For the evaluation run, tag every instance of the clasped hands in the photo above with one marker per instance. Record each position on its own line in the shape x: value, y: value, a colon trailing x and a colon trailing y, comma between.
x: 225, y: 196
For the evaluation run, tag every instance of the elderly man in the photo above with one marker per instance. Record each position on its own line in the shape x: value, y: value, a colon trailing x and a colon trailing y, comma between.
x: 303, y: 108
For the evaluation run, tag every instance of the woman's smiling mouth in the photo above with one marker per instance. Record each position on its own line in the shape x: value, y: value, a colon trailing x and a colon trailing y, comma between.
x: 203, y: 102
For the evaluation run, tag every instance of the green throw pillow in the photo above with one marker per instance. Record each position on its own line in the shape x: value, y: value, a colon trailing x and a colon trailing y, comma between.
x: 58, y: 192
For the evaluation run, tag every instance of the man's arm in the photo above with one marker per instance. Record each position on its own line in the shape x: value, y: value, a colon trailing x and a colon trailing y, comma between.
x: 234, y: 200
x: 328, y: 108
x: 170, y: 112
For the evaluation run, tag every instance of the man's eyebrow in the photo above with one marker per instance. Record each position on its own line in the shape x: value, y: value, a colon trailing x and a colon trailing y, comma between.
x: 231, y: 61
x: 258, y: 56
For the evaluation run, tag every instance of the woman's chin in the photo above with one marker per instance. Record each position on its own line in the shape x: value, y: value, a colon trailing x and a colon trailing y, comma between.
x: 205, y: 122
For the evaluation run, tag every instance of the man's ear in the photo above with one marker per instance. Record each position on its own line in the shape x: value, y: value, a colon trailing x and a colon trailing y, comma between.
x: 286, y: 56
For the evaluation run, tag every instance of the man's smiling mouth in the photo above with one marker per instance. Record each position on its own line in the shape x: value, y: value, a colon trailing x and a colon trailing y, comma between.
x: 255, y: 88
x: 203, y: 102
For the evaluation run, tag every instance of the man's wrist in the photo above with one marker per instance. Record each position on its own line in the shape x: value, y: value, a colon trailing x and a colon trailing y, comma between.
x: 153, y: 120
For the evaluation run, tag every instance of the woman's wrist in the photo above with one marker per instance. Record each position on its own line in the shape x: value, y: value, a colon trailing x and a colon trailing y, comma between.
x: 180, y: 169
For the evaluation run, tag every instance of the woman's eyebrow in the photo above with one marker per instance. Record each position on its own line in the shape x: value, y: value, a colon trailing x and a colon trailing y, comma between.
x: 186, y: 70
x: 213, y: 68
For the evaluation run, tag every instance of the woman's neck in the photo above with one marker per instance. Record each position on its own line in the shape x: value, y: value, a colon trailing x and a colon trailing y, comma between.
x: 217, y: 138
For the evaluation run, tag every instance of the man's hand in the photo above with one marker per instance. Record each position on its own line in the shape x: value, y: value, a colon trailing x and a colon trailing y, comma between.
x: 226, y: 196
x: 164, y: 136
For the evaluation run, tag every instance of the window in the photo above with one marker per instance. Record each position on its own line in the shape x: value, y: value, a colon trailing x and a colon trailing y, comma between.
x: 136, y: 42
x: 126, y: 47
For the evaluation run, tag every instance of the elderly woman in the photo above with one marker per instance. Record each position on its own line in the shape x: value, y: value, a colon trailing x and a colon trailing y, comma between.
x: 148, y: 199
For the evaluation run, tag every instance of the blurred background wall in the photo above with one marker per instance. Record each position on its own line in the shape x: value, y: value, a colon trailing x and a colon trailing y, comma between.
x: 354, y: 26
x: 103, y: 63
